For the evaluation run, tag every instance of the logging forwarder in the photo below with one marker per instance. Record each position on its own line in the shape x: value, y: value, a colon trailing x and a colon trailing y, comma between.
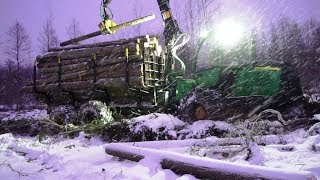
x: 137, y: 73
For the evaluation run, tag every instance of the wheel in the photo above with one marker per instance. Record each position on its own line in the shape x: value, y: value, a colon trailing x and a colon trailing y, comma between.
x: 200, y: 112
x: 200, y: 104
x: 95, y: 110
x: 63, y: 114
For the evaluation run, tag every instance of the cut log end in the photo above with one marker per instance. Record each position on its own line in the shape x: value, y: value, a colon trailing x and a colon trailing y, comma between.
x: 109, y: 66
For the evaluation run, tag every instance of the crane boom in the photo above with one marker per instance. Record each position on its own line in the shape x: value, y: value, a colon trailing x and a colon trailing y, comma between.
x: 171, y: 28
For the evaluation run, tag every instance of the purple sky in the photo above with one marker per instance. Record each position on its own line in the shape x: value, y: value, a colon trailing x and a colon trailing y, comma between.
x: 32, y: 13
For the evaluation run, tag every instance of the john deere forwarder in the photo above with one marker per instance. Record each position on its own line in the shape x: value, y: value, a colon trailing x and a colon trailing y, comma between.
x: 139, y: 73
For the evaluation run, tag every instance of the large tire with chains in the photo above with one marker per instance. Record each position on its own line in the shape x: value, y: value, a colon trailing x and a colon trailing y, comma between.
x: 63, y: 114
x: 200, y: 104
x: 94, y: 110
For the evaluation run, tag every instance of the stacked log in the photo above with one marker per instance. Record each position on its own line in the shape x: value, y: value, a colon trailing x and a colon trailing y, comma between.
x: 115, y: 66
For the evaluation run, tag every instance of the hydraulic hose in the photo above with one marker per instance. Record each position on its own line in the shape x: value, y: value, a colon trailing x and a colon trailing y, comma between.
x: 185, y: 39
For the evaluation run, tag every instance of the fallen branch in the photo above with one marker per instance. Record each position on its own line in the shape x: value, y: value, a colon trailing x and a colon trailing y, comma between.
x: 12, y: 169
x: 272, y: 111
x: 208, y: 142
x: 314, y: 130
x: 50, y: 122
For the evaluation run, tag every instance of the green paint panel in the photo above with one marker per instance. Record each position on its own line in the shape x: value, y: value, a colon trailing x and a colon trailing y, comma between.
x: 263, y: 81
x: 250, y: 81
x: 183, y: 87
x: 208, y: 78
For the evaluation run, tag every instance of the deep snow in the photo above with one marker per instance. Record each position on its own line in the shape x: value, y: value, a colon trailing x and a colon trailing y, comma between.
x: 84, y: 157
x: 35, y: 114
x: 79, y: 158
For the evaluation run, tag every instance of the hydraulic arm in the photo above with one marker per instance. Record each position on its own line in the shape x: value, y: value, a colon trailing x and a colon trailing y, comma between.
x: 171, y: 28
x: 107, y: 26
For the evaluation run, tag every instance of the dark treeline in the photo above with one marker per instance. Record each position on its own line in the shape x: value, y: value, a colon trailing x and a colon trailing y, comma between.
x: 11, y: 83
x: 16, y: 71
x: 285, y: 41
x: 292, y: 43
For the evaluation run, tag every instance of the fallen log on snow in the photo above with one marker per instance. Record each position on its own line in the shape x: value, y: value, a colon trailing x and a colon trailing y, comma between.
x: 211, y: 141
x: 203, y: 168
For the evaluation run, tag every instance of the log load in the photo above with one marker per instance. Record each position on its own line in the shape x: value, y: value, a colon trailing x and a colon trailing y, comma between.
x: 119, y: 68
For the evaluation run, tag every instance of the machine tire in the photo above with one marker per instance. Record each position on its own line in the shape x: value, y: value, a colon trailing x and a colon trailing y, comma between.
x: 201, y: 104
x: 94, y: 110
x: 63, y: 114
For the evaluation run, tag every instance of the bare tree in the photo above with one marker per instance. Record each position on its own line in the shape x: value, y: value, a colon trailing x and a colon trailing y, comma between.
x: 262, y: 46
x: 194, y: 16
x: 137, y: 12
x: 310, y: 30
x: 73, y: 30
x: 311, y: 33
x: 191, y: 15
x: 135, y: 30
x: 18, y: 44
x: 48, y: 37
x: 1, y: 47
x: 290, y: 41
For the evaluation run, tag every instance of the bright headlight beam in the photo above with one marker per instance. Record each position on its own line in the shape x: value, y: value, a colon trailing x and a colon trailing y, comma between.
x: 229, y: 33
x: 204, y: 33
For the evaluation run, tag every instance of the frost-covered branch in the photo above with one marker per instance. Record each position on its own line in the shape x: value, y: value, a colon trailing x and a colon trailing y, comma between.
x: 14, y: 170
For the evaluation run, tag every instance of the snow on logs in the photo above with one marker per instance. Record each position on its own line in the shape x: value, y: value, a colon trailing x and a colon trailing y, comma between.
x: 203, y: 168
x: 135, y: 63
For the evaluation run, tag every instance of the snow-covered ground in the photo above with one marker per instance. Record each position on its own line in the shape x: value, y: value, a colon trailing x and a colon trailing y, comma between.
x: 85, y: 158
x: 79, y: 158
x: 35, y: 114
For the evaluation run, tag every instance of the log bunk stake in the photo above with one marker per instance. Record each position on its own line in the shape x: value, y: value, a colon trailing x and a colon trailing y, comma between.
x: 124, y: 68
